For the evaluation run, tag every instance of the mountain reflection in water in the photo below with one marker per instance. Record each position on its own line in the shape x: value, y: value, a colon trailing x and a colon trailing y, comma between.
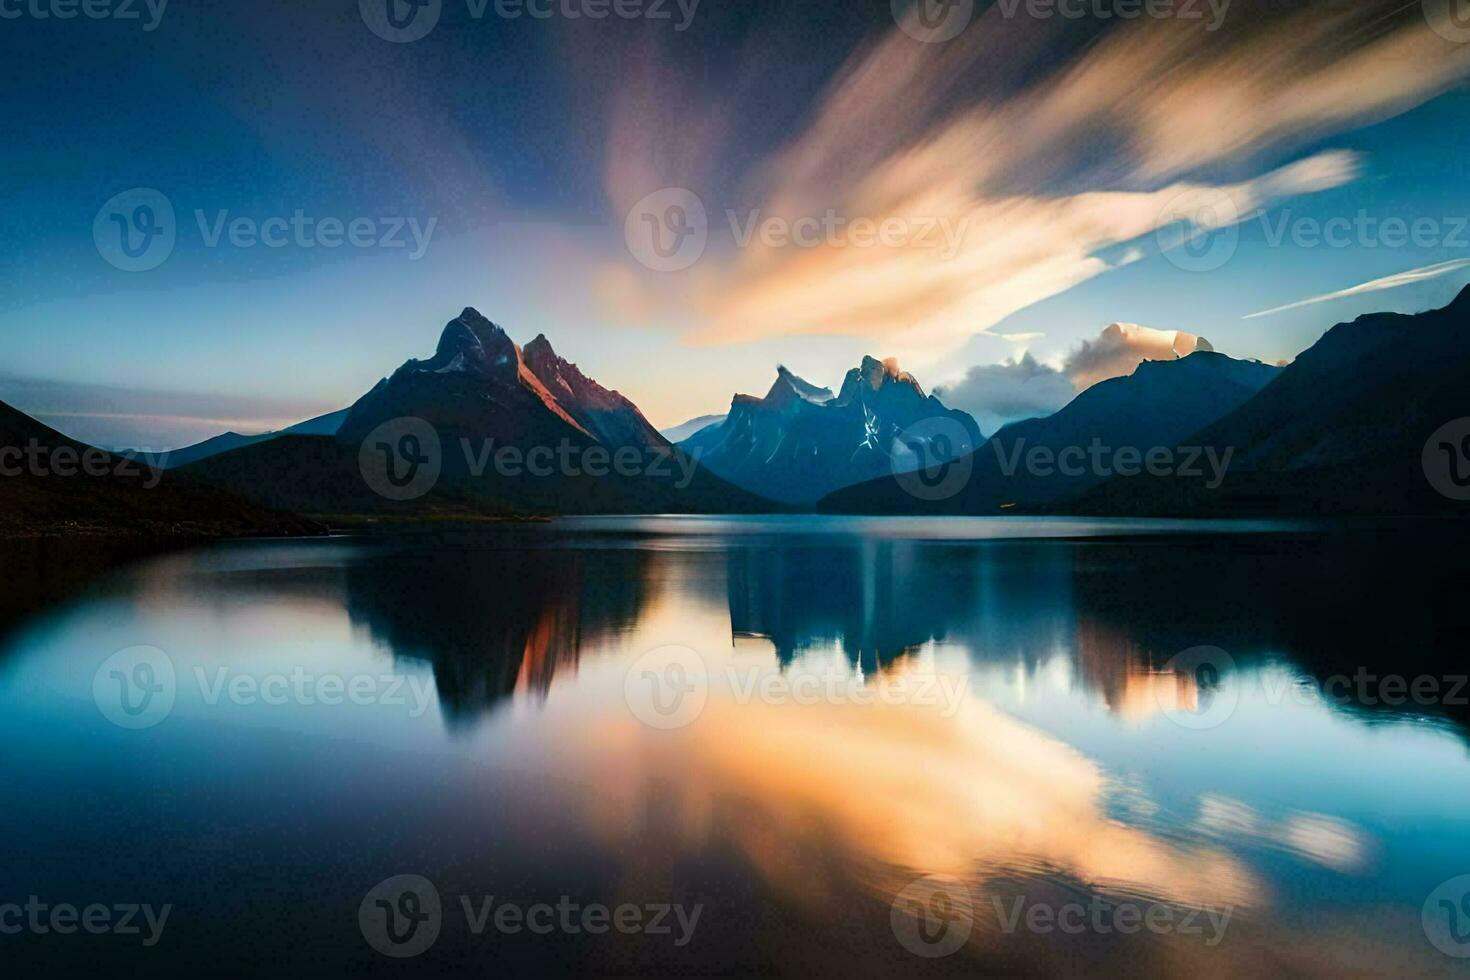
x: 1046, y: 767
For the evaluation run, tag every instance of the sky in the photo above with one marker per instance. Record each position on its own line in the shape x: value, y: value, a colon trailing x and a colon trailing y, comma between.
x: 1011, y: 199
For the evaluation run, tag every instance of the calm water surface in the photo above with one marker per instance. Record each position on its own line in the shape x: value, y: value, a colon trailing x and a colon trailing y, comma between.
x: 782, y: 723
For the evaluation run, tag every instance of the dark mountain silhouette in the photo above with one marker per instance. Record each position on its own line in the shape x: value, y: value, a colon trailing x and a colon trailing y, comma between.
x: 1161, y: 403
x: 51, y: 484
x: 576, y: 446
x: 322, y: 425
x: 1345, y: 429
x: 800, y: 442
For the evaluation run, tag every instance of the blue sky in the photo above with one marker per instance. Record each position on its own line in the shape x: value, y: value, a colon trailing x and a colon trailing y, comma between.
x: 519, y: 148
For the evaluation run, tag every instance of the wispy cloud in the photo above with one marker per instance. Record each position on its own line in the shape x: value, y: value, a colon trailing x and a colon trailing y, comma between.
x: 1373, y: 286
x: 1042, y: 173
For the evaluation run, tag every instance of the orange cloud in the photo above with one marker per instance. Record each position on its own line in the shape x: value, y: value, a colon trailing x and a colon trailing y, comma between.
x: 1026, y: 189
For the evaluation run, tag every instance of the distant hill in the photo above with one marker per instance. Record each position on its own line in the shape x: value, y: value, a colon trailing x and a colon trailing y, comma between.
x: 1345, y: 429
x: 323, y: 425
x: 54, y: 485
x: 678, y: 433
x: 800, y: 442
x: 1158, y: 405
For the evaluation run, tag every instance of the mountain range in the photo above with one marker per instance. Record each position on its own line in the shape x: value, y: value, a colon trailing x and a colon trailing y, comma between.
x: 322, y: 425
x: 1343, y: 429
x: 54, y: 485
x: 1349, y: 427
x: 800, y: 442
x: 487, y: 400
x: 1159, y: 404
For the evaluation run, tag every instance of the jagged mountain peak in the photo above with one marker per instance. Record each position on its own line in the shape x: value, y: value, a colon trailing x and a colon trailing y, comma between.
x: 788, y: 384
x: 799, y: 442
x: 878, y: 377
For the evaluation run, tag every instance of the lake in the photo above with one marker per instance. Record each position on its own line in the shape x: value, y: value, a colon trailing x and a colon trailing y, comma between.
x: 734, y: 747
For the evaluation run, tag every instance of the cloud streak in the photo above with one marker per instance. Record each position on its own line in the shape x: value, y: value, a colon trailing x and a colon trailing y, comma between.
x: 1372, y: 286
x: 1042, y: 178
